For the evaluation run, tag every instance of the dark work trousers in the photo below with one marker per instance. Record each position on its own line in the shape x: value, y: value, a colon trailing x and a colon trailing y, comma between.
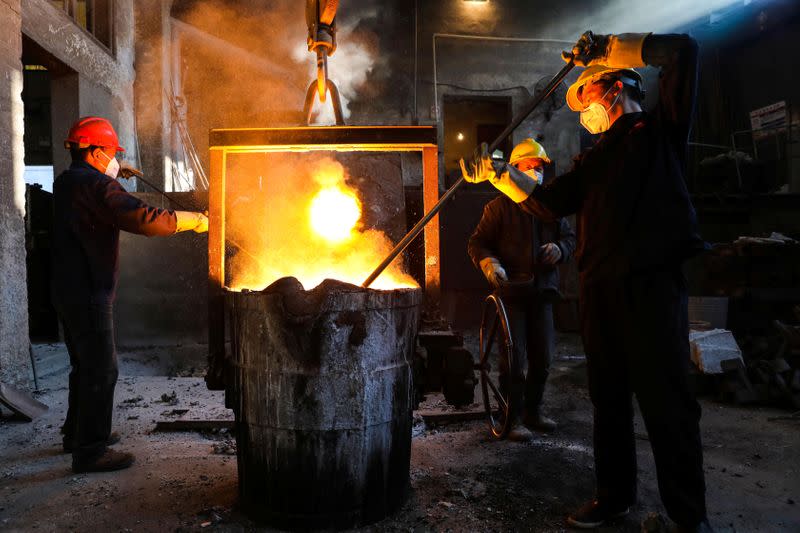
x: 89, y: 335
x: 636, y: 337
x: 531, y: 324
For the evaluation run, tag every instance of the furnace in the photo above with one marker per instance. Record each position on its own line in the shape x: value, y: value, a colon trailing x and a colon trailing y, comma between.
x: 318, y: 372
x: 249, y: 166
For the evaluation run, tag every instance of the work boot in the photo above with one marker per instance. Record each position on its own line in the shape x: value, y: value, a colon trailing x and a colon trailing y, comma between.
x: 594, y: 514
x: 539, y: 422
x: 112, y: 439
x: 109, y: 461
x: 519, y: 433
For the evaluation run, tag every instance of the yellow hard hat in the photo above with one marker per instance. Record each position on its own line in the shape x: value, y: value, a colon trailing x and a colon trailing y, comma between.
x: 528, y: 149
x: 629, y: 77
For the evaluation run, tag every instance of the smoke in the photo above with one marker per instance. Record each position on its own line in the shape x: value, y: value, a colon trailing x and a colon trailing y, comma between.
x: 247, y: 64
x: 349, y: 65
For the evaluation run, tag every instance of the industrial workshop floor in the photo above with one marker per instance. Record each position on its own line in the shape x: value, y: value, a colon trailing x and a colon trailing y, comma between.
x: 462, y: 481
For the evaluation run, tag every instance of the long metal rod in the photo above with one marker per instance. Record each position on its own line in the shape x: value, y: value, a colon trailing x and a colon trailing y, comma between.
x: 417, y: 229
x: 183, y: 207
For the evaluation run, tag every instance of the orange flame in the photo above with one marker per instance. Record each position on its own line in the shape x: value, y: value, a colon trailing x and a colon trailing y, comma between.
x: 306, y: 228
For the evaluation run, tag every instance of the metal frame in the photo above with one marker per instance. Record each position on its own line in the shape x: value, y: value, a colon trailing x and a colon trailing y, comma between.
x: 329, y: 138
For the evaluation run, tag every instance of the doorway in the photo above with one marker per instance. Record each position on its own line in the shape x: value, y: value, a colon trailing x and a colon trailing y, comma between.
x: 469, y: 121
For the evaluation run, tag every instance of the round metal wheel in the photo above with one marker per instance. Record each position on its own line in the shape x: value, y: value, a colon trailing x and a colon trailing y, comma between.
x: 495, y: 346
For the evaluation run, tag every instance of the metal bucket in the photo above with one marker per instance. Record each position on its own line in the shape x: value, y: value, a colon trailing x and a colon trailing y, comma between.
x: 323, y: 401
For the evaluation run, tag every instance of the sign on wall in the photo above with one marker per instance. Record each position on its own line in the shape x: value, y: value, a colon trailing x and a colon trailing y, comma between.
x: 768, y: 120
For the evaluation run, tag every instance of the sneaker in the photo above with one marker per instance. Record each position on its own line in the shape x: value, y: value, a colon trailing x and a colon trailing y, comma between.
x: 540, y: 422
x: 594, y: 514
x: 109, y: 461
x: 112, y: 439
x: 519, y: 433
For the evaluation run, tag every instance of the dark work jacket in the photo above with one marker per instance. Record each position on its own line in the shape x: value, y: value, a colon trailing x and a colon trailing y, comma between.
x: 629, y: 192
x: 513, y: 236
x: 90, y: 210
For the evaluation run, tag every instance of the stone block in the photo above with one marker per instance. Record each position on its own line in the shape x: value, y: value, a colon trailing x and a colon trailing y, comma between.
x: 711, y: 349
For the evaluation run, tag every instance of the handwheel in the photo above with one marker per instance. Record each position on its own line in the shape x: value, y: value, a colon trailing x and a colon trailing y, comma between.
x: 495, y: 347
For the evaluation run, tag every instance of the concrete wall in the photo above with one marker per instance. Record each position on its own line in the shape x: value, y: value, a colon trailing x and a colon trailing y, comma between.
x: 102, y: 82
x: 14, y: 362
x: 153, y: 66
x: 163, y: 286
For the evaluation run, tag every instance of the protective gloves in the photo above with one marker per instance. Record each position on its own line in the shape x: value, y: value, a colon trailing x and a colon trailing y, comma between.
x: 190, y: 220
x: 482, y: 167
x: 493, y: 271
x: 506, y: 178
x: 618, y: 51
x: 127, y: 171
x: 550, y: 253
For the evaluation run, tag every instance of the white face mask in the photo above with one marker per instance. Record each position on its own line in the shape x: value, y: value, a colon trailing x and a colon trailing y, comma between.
x: 536, y: 175
x: 595, y: 117
x: 112, y: 169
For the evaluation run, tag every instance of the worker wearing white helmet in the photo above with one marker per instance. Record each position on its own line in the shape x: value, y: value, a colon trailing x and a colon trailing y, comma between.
x: 636, y: 226
x: 510, y: 244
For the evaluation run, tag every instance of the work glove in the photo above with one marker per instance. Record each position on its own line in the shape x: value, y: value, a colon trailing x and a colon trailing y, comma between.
x: 481, y: 167
x: 126, y: 171
x: 550, y: 253
x: 618, y: 51
x: 506, y: 178
x: 191, y: 220
x: 493, y: 270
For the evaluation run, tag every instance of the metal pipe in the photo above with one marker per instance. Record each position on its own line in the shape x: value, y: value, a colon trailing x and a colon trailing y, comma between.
x: 415, y: 117
x: 183, y: 207
x: 518, y: 119
x: 33, y: 367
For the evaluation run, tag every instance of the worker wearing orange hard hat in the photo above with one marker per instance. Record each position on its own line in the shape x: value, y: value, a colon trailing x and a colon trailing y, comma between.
x: 636, y: 227
x: 511, y: 245
x: 90, y: 209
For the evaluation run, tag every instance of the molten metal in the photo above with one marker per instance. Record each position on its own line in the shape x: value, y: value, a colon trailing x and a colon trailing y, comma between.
x: 307, y: 226
x: 334, y: 214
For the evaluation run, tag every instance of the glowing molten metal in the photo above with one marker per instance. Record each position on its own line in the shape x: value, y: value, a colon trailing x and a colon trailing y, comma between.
x: 334, y: 214
x: 305, y: 221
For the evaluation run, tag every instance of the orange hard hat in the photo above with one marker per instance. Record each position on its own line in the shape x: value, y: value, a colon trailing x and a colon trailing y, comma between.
x: 93, y: 131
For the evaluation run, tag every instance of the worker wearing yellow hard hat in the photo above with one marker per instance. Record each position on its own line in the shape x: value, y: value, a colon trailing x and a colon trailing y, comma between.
x: 509, y: 244
x: 636, y: 227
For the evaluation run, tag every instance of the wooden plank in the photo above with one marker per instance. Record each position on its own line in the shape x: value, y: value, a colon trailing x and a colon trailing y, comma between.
x: 21, y: 403
x: 443, y: 417
x: 194, y: 425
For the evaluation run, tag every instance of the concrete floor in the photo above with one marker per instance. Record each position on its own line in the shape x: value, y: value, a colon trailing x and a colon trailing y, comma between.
x: 461, y: 480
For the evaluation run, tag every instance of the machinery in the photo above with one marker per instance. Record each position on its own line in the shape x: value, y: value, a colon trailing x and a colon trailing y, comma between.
x: 321, y: 22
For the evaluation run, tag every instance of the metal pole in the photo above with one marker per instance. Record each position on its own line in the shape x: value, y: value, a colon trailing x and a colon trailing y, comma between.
x: 417, y: 229
x: 33, y: 367
x: 183, y: 207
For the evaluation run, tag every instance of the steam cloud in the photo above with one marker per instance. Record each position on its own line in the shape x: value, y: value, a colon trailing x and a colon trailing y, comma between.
x: 247, y: 64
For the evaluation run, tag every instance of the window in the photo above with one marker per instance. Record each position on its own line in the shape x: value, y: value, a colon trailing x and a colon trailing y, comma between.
x: 94, y: 16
